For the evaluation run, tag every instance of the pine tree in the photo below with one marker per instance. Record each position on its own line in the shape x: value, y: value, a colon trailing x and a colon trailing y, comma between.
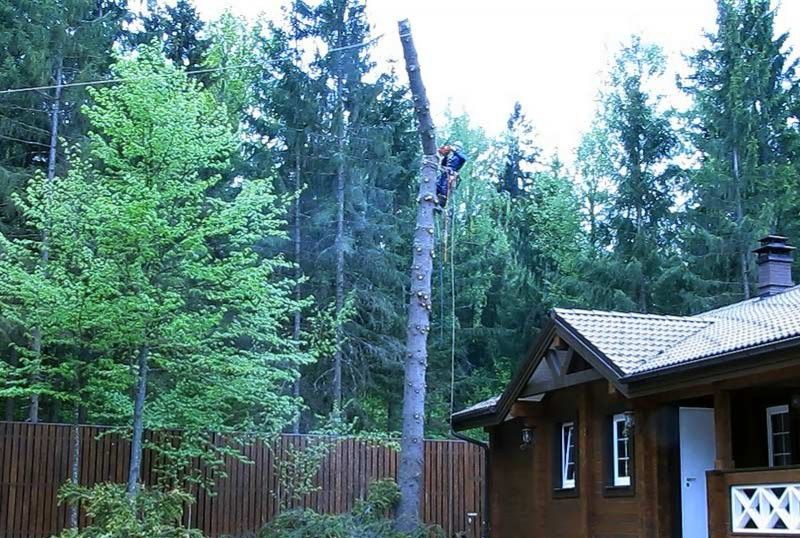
x: 639, y: 221
x: 744, y: 92
x: 178, y: 29
x: 298, y: 115
x: 521, y: 153
x: 48, y: 44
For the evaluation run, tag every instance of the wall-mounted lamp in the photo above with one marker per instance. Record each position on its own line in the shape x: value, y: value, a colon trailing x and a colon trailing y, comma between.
x: 795, y: 401
x: 527, y: 438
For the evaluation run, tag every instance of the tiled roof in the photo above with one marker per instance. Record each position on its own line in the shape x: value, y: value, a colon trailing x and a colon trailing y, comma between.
x: 626, y: 338
x: 642, y: 343
x: 637, y: 343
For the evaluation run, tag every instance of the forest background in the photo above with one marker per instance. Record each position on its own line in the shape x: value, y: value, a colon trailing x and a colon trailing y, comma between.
x: 270, y: 168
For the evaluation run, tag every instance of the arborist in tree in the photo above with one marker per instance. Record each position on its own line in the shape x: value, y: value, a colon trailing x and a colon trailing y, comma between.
x: 452, y: 160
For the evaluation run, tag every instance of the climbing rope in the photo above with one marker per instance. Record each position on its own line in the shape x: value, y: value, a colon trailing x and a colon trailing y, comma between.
x: 452, y: 336
x: 452, y: 308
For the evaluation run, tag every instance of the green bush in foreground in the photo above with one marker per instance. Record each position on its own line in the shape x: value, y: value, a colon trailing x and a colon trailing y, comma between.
x: 368, y: 519
x: 113, y: 514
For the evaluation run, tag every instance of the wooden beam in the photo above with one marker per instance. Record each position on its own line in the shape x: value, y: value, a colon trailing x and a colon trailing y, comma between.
x: 586, y: 455
x: 552, y: 364
x: 722, y: 429
x: 584, y: 376
x: 565, y: 358
x: 771, y: 367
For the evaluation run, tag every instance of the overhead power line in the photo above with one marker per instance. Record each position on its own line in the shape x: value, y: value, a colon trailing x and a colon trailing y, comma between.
x: 190, y: 72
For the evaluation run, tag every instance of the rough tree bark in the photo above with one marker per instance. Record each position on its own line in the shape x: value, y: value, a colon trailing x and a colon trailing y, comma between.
x: 409, y: 474
x: 137, y: 439
x: 55, y: 113
x: 74, y: 469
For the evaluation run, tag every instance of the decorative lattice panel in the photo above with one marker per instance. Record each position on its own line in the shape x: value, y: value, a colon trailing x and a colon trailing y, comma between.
x: 767, y: 509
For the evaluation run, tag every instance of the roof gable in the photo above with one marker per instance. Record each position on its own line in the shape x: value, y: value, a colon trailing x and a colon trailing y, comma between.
x: 625, y: 339
x: 624, y: 347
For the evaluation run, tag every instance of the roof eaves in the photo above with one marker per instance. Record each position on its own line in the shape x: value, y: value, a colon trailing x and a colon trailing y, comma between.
x: 752, y: 351
x: 475, y: 418
x: 495, y: 414
x: 526, y: 369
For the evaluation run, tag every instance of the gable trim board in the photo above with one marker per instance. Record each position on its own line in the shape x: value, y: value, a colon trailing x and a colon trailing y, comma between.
x: 635, y: 374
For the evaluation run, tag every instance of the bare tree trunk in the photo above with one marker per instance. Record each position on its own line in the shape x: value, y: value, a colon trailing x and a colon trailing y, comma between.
x: 298, y: 273
x: 74, y: 470
x: 55, y: 113
x: 137, y: 440
x: 10, y: 403
x: 419, y: 306
x: 339, y: 242
x: 743, y: 249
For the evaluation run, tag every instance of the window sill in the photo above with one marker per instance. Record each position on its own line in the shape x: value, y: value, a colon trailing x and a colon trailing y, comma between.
x: 565, y: 493
x: 619, y: 491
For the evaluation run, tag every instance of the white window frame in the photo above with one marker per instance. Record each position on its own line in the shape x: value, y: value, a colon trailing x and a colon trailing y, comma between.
x: 565, y: 443
x: 617, y: 479
x: 771, y: 411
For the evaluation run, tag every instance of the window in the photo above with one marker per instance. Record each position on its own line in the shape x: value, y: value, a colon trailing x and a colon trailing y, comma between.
x: 779, y: 442
x: 568, y: 455
x: 621, y: 448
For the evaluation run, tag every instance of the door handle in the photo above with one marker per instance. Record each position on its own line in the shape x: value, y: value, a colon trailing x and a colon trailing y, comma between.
x: 689, y: 481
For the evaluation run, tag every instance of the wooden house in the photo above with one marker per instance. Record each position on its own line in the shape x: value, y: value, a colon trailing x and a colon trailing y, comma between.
x: 634, y: 425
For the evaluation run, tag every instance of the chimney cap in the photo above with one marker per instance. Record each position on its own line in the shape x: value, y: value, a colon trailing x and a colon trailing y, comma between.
x: 775, y: 244
x: 774, y: 265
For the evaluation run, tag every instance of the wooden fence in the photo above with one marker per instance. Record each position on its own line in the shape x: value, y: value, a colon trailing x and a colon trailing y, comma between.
x: 35, y: 460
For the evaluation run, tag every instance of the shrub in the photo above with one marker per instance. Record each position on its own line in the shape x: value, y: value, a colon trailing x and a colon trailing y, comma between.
x: 113, y: 514
x: 367, y: 519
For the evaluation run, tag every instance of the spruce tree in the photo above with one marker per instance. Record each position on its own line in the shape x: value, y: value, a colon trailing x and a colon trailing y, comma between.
x: 743, y: 124
x: 638, y: 225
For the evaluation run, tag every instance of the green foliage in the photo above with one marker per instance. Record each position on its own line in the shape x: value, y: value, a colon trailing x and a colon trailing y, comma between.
x: 627, y: 164
x: 151, y: 251
x: 113, y: 514
x: 172, y: 223
x: 743, y: 123
x: 298, y: 465
x: 367, y: 519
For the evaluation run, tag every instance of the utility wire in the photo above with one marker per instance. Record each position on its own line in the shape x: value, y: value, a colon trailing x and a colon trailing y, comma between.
x: 115, y: 80
x: 190, y: 72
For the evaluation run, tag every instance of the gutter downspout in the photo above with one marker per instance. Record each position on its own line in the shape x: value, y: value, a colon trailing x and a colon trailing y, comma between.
x: 486, y: 515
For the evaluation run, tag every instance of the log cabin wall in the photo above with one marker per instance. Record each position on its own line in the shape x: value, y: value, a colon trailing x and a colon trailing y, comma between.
x: 524, y: 498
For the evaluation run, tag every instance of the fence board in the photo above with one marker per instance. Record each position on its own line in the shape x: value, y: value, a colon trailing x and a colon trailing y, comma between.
x: 35, y: 460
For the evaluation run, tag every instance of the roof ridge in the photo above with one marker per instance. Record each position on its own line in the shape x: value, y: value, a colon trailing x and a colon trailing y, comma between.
x: 751, y: 300
x: 690, y: 319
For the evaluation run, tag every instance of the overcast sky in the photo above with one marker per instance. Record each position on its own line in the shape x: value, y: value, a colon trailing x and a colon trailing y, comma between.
x: 482, y: 55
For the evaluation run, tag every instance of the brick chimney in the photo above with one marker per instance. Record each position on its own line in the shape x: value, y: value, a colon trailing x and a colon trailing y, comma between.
x: 774, y: 265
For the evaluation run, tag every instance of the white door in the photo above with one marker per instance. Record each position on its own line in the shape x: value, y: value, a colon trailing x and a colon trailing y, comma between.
x: 696, y: 430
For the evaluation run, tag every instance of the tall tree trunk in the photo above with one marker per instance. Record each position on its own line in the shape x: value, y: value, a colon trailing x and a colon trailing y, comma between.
x: 75, y: 465
x: 137, y: 439
x: 742, y: 247
x: 10, y: 403
x: 339, y: 242
x: 419, y: 306
x: 55, y: 113
x: 298, y: 273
